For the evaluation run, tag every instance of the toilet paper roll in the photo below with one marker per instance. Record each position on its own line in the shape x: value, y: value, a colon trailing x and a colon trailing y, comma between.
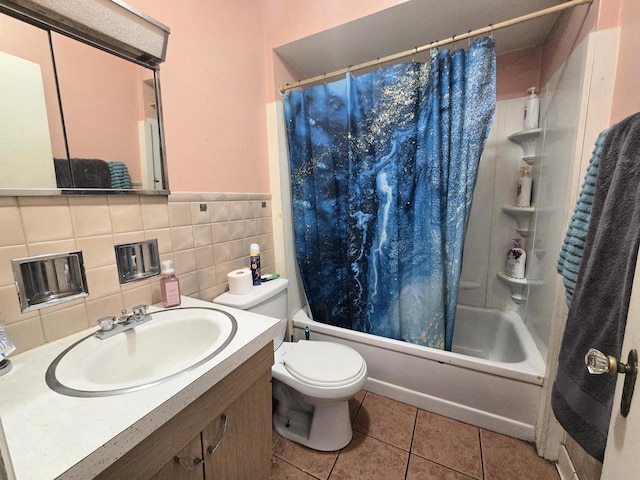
x: 240, y: 281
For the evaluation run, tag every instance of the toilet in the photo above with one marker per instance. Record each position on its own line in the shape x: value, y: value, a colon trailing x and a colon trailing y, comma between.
x: 313, y: 381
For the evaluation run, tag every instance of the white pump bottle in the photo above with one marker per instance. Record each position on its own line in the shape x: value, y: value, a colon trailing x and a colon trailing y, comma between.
x: 523, y: 198
x: 531, y: 110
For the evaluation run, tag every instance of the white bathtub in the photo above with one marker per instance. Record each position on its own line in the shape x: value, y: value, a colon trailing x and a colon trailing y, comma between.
x: 492, y: 379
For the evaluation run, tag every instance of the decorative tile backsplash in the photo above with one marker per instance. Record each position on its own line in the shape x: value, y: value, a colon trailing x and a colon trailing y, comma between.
x: 207, y: 235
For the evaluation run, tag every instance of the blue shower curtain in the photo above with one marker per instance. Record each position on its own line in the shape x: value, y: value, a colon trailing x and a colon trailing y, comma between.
x: 383, y: 167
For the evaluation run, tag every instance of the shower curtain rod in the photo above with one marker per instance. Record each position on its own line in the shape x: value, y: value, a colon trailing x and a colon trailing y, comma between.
x: 453, y: 39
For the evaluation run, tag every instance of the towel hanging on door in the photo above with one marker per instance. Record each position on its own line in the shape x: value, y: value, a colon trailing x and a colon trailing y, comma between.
x: 597, y: 316
x: 573, y: 246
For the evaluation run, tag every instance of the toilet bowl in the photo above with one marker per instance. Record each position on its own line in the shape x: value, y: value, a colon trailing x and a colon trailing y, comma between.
x: 312, y: 385
x: 313, y: 381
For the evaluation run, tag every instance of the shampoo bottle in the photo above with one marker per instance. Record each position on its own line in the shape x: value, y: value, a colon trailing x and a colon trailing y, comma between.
x: 531, y: 110
x: 523, y: 198
x: 516, y: 259
x: 169, y: 285
x: 254, y: 257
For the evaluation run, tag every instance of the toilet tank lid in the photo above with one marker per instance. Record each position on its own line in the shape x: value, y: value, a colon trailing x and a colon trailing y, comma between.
x: 257, y: 295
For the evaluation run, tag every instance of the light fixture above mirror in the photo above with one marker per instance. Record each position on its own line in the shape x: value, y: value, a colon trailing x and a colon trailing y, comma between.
x: 90, y: 114
x: 109, y: 24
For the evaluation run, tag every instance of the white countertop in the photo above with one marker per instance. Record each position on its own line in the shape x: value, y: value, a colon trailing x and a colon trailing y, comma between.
x: 48, y: 435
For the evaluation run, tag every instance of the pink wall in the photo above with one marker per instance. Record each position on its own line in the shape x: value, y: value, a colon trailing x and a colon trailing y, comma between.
x: 517, y: 71
x: 100, y: 101
x: 221, y: 71
x: 289, y: 20
x: 571, y: 28
x: 573, y: 25
x: 626, y: 96
x: 213, y: 94
x: 218, y: 76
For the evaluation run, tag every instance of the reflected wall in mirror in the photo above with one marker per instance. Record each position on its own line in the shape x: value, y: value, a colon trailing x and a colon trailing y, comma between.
x: 31, y: 131
x: 108, y: 105
x: 97, y: 131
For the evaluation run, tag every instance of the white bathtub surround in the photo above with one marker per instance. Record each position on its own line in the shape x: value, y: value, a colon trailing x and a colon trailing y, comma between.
x: 47, y: 434
x: 492, y: 379
x: 576, y: 107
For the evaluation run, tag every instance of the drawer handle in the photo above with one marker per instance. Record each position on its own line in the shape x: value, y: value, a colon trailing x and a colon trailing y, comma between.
x: 194, y: 463
x: 212, y: 448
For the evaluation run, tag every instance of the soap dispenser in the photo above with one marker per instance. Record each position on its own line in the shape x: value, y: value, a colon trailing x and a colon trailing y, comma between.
x: 523, y: 198
x: 531, y: 110
x: 516, y: 259
x: 169, y: 285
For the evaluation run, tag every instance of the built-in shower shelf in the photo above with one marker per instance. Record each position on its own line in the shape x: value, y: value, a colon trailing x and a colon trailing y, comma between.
x: 516, y: 285
x: 522, y: 216
x: 532, y: 160
x: 528, y: 140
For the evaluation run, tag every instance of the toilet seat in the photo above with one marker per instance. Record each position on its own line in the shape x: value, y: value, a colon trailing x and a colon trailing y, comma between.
x: 323, y: 364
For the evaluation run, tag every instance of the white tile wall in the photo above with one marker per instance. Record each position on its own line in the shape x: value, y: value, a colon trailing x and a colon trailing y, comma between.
x: 490, y: 231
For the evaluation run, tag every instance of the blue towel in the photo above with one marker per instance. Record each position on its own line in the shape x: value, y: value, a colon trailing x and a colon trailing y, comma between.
x: 119, y: 175
x: 571, y: 253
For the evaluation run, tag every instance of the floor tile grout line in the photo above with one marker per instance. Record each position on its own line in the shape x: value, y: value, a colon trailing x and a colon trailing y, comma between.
x: 481, y: 454
x: 273, y: 447
x: 430, y: 460
x: 334, y: 463
x: 296, y: 467
x: 352, y: 429
x: 382, y: 441
x: 358, y: 409
x: 413, y: 436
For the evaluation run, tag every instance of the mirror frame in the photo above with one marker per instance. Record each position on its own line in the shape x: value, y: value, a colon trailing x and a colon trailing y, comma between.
x: 41, y: 20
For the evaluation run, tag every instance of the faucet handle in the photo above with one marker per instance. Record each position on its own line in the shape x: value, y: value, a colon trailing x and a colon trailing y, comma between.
x: 107, y: 323
x: 140, y: 310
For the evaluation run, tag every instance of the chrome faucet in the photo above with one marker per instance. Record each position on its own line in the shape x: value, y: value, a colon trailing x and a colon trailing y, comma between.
x: 110, y: 326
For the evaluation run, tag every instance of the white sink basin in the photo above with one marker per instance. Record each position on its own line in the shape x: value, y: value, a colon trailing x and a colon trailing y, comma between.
x: 173, y: 342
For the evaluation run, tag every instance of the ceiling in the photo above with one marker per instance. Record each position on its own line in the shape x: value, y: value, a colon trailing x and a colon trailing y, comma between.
x: 413, y: 24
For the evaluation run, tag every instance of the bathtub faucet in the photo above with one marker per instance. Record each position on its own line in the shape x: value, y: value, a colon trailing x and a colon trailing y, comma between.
x: 307, y: 331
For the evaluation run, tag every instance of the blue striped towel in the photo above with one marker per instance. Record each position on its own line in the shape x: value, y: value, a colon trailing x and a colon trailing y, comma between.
x: 119, y: 175
x: 573, y: 246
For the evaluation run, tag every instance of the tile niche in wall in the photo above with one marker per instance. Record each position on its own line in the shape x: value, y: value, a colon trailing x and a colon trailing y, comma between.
x: 206, y: 235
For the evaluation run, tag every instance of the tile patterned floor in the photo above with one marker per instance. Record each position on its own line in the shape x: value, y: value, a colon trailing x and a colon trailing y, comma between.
x: 393, y: 440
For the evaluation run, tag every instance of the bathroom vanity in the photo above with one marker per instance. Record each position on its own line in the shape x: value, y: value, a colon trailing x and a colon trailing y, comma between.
x: 210, y: 422
x: 210, y: 450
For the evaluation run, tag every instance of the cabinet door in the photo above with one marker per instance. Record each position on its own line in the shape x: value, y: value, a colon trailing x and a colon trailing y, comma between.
x: 186, y: 465
x: 243, y: 449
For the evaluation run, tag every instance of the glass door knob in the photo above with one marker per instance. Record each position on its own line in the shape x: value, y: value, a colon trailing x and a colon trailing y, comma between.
x: 598, y: 363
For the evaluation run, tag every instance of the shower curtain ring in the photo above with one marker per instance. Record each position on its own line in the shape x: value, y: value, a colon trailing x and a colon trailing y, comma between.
x: 469, y: 38
x: 325, y: 78
x: 491, y: 31
x: 453, y: 39
x: 432, y: 50
x: 379, y: 66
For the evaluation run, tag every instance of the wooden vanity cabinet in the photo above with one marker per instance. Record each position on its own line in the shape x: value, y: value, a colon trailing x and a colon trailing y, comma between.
x: 243, y: 451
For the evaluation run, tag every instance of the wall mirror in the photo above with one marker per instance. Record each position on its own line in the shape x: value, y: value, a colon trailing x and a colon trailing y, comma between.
x: 75, y: 119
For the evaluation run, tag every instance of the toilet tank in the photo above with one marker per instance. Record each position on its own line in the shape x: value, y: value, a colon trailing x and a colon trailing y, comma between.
x: 268, y: 299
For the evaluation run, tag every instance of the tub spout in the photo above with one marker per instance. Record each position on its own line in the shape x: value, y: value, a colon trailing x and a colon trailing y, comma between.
x: 307, y: 331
